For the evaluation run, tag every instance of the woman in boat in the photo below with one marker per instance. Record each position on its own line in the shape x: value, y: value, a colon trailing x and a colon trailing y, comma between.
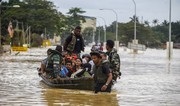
x: 78, y: 67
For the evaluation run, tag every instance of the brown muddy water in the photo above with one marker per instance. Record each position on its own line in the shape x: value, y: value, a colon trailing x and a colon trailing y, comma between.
x: 148, y: 79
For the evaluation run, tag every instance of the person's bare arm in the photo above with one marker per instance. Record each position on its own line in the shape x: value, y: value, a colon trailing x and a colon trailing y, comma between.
x: 104, y: 87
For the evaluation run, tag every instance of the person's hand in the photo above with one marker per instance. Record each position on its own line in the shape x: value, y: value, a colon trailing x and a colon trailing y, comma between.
x: 104, y: 87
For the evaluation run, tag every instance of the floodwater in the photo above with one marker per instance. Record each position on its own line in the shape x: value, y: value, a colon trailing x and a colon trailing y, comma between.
x: 148, y: 79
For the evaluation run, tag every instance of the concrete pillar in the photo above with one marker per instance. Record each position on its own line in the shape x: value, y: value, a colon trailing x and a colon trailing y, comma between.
x: 169, y: 47
x: 135, y: 41
x: 117, y: 45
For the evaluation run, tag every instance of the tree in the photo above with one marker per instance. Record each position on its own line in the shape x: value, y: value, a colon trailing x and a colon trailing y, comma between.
x: 155, y: 22
x: 133, y: 19
x: 176, y: 31
x: 39, y: 14
x: 146, y: 23
x: 165, y: 23
x: 43, y: 15
x: 75, y: 18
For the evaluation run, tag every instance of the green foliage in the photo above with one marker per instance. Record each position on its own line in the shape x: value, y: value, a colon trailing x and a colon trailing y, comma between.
x: 176, y: 31
x: 151, y: 36
x: 40, y: 15
x: 110, y: 35
x: 162, y: 32
x: 75, y: 18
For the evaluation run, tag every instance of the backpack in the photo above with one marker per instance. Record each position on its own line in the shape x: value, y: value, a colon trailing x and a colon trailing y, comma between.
x: 49, y: 62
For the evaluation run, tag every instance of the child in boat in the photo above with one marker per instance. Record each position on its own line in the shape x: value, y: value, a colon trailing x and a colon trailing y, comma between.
x: 69, y: 68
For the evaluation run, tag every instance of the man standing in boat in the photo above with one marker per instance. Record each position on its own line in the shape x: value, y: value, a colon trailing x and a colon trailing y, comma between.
x: 54, y: 62
x: 74, y: 43
x: 102, y: 73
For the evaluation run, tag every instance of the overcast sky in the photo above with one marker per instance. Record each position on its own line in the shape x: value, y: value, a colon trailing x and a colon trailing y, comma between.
x: 146, y: 10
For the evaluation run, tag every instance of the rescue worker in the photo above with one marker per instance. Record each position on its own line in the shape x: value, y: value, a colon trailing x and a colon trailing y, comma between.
x: 43, y: 63
x: 74, y: 43
x: 102, y: 75
x: 54, y: 62
x: 114, y: 59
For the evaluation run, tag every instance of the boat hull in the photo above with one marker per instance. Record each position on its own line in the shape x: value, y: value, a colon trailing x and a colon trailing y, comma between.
x: 82, y: 83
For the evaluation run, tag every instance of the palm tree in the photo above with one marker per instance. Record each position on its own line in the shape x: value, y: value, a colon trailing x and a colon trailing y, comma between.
x: 165, y: 23
x: 75, y: 11
x: 133, y: 19
x: 75, y: 17
x: 146, y: 23
x: 155, y: 22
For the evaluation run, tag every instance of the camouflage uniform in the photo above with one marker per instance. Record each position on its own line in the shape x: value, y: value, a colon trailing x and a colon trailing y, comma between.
x: 53, y: 64
x: 114, y: 60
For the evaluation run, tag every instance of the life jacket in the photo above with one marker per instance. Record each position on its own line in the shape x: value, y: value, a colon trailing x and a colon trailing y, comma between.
x: 99, y: 75
x: 71, y: 45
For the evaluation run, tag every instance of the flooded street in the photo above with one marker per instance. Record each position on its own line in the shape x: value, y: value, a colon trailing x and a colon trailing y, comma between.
x: 148, y: 79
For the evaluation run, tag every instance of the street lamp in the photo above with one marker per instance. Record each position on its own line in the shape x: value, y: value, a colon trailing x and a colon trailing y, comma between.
x: 170, y: 44
x: 134, y: 20
x: 15, y: 6
x: 0, y: 23
x: 135, y: 41
x: 116, y: 42
x: 104, y: 28
x: 99, y: 33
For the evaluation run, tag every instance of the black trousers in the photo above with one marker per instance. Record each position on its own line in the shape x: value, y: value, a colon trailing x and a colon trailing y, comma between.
x: 98, y: 87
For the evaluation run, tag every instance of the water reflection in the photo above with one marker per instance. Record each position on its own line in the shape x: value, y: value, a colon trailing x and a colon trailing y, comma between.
x: 76, y: 97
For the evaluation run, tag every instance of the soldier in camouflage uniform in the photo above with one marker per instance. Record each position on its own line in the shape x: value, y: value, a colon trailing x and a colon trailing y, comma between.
x: 114, y: 59
x: 54, y: 61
